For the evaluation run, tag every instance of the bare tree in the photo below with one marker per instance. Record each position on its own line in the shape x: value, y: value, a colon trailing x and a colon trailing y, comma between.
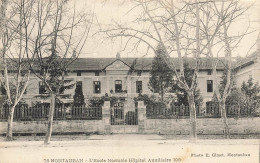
x: 227, y: 12
x: 15, y: 75
x: 54, y: 45
x: 176, y: 26
x: 3, y: 8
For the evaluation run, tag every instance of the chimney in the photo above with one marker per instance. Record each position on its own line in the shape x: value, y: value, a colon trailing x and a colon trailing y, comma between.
x: 118, y: 55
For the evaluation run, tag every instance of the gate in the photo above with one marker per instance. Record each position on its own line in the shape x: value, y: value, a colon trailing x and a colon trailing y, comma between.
x: 123, y: 119
x: 117, y: 114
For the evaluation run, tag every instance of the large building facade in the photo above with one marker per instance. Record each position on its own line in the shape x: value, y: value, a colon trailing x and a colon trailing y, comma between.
x: 128, y: 77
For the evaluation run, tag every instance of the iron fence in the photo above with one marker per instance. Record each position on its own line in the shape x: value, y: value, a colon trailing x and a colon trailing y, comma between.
x: 232, y: 110
x: 153, y: 112
x: 94, y: 113
x: 23, y: 112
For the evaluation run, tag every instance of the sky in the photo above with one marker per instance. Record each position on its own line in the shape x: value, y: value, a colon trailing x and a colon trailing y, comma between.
x: 109, y: 11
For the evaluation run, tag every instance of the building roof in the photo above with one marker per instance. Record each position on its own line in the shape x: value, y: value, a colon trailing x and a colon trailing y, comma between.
x: 145, y: 64
x: 246, y: 61
x: 92, y: 64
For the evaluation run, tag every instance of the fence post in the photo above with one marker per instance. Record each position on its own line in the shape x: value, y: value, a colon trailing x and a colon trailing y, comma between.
x: 141, y: 117
x: 106, y: 118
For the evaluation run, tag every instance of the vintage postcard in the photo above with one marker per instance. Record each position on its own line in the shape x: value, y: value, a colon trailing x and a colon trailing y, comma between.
x: 129, y: 81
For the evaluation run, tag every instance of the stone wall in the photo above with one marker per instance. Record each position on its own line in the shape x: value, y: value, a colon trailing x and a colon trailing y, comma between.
x: 207, y: 126
x: 63, y: 126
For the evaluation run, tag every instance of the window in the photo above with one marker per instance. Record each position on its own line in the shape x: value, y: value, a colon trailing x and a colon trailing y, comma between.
x: 209, y: 86
x: 78, y: 73
x: 209, y: 72
x: 139, y: 87
x: 139, y: 73
x: 42, y: 89
x: 118, y: 86
x: 97, y: 87
x: 96, y: 73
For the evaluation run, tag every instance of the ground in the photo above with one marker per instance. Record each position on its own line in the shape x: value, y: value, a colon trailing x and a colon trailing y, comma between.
x: 127, y: 148
x: 89, y: 137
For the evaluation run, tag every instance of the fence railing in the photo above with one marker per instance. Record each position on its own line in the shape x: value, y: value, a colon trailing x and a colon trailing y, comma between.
x: 182, y: 111
x: 233, y: 110
x: 87, y: 113
x: 23, y: 112
x: 155, y: 112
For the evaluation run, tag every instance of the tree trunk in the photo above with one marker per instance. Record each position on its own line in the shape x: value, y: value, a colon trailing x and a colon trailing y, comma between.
x: 3, y: 7
x: 9, y: 133
x: 50, y: 120
x: 162, y: 91
x: 193, y: 127
x: 162, y: 95
x: 224, y: 118
x: 239, y: 111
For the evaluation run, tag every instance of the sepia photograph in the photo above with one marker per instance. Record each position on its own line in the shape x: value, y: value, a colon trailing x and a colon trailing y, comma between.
x: 129, y: 81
